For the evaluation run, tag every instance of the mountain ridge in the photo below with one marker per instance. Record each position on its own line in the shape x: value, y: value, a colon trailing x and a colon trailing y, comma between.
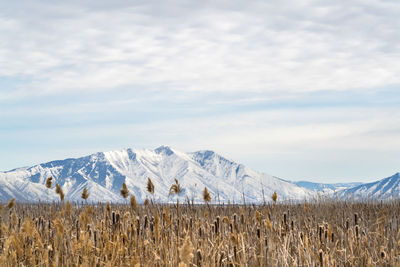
x: 386, y: 188
x: 326, y: 188
x: 104, y: 172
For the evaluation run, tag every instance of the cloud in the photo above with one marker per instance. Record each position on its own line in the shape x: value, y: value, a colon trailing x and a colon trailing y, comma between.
x: 254, y: 131
x: 293, y: 88
x: 274, y: 48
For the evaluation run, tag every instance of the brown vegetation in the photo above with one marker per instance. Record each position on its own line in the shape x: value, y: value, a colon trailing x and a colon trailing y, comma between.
x: 324, y: 233
x: 124, y: 191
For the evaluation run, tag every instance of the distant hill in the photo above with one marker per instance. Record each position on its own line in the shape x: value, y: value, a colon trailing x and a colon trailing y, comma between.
x: 386, y: 188
x: 325, y: 188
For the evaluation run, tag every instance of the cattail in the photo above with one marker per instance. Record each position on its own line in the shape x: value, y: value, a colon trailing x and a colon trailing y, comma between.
x: 11, y: 203
x: 49, y: 181
x: 60, y: 192
x: 258, y: 216
x: 145, y: 221
x: 59, y: 226
x: 206, y: 195
x: 133, y: 203
x: 220, y: 258
x: 199, y: 257
x: 235, y: 239
x: 274, y: 197
x: 321, y: 259
x: 103, y: 235
x: 382, y: 253
x: 124, y: 191
x: 127, y: 215
x: 68, y: 209
x: 85, y: 194
x: 150, y: 186
x: 307, y: 207
x: 320, y: 233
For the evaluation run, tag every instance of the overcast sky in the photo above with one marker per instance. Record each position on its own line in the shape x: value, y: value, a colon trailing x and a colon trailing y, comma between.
x: 296, y: 89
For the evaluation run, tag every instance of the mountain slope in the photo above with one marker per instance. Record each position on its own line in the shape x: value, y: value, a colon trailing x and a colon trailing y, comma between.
x: 383, y: 189
x: 104, y: 173
x: 325, y: 188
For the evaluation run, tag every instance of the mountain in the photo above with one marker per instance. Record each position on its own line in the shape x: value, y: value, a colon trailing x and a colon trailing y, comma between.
x: 103, y: 174
x: 325, y: 188
x: 383, y: 189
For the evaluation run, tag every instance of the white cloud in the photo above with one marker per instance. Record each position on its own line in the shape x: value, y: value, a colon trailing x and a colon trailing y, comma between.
x: 292, y: 143
x: 117, y: 62
x: 272, y: 48
x: 255, y: 132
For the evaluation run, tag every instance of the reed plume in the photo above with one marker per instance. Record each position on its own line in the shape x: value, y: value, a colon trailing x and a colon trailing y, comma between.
x: 150, y: 186
x: 274, y: 197
x: 206, y: 195
x: 11, y: 203
x: 49, y: 182
x: 124, y: 191
x: 133, y: 203
x: 85, y: 194
x: 175, y: 188
x: 60, y: 192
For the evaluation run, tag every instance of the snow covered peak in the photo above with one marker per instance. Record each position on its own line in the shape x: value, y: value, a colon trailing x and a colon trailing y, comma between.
x: 166, y: 150
x: 103, y: 174
x: 386, y: 188
x: 205, y: 157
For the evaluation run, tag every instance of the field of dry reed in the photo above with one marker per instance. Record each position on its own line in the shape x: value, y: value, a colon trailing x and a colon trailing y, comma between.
x: 323, y: 233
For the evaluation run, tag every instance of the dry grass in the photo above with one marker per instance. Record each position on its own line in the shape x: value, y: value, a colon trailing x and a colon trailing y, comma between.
x: 325, y: 233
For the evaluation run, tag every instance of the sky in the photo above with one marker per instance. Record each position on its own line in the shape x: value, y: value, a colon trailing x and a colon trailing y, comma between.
x: 303, y: 90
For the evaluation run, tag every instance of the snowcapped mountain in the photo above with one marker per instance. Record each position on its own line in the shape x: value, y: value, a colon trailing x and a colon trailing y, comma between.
x: 103, y: 174
x: 383, y: 189
x: 325, y: 188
